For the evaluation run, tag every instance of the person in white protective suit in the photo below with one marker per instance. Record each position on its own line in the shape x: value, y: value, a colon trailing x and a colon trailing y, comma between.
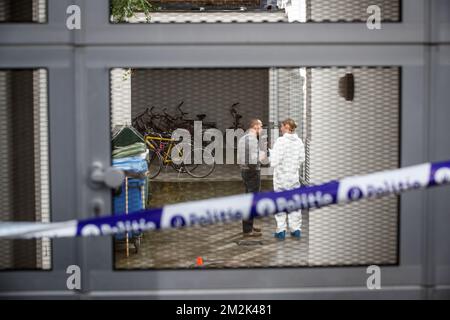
x: 286, y: 157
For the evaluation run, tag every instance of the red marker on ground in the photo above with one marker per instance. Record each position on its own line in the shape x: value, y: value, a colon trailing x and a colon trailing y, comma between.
x: 199, y: 261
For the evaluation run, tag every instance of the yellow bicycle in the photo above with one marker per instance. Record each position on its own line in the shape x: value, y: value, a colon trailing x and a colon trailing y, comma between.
x: 181, y: 156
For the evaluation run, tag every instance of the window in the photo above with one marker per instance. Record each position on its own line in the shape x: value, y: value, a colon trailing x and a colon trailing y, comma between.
x: 24, y: 173
x: 342, y: 136
x: 303, y: 11
x: 23, y: 11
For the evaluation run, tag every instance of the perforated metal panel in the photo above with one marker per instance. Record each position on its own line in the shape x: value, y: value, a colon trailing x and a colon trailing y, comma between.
x: 23, y: 11
x: 352, y: 138
x: 351, y: 10
x: 208, y: 91
x: 288, y: 100
x: 341, y: 137
x: 120, y: 80
x: 24, y: 164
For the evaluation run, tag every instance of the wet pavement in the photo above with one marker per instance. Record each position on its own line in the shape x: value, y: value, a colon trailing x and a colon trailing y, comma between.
x: 217, y: 246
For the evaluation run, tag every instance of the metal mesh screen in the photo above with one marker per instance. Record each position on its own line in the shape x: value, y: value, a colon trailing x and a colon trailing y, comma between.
x: 24, y: 170
x: 208, y: 91
x: 23, y: 11
x: 351, y: 138
x: 120, y: 80
x: 341, y: 138
x: 351, y: 10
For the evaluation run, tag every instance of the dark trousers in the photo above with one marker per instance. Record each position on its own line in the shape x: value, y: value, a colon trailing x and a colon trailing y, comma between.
x: 252, y: 183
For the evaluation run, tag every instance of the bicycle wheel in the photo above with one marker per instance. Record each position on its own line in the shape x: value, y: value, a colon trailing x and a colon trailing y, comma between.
x: 178, y: 156
x: 199, y: 163
x: 154, y: 164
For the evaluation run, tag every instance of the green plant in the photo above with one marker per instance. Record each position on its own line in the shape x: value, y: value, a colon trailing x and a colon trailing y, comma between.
x: 124, y: 9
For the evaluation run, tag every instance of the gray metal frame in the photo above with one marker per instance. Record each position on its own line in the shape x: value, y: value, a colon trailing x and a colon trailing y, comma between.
x: 79, y: 63
x: 58, y: 62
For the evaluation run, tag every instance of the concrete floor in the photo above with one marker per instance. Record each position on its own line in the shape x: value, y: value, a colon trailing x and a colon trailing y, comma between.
x: 222, y: 173
x: 221, y: 245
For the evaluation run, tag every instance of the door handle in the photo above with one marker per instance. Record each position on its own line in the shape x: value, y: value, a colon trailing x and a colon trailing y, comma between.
x: 110, y: 176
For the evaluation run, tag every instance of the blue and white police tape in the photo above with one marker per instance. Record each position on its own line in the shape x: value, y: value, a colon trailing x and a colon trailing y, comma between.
x: 233, y: 208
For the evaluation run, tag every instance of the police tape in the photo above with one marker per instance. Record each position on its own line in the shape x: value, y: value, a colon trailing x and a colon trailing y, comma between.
x: 243, y: 206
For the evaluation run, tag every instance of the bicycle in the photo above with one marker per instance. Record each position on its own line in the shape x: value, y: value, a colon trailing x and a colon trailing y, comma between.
x: 200, y: 117
x: 181, y: 122
x: 148, y: 121
x: 163, y: 146
x: 139, y: 122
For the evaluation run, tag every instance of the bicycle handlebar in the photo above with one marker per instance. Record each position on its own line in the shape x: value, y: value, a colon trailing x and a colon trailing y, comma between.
x: 180, y: 110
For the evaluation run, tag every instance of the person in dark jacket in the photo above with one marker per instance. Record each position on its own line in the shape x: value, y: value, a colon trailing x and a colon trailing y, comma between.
x: 249, y: 157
